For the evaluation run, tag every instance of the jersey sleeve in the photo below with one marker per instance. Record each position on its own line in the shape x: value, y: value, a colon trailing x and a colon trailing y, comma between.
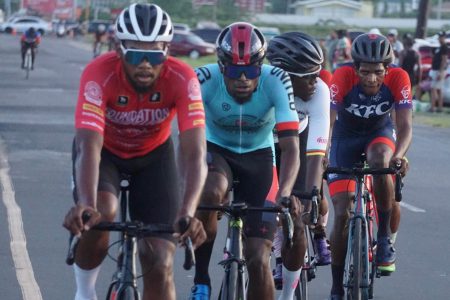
x: 91, y: 104
x: 319, y: 121
x: 400, y: 86
x: 286, y: 117
x: 340, y: 86
x: 190, y: 111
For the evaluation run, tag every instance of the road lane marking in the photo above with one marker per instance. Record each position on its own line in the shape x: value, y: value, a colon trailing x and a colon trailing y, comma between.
x: 22, y: 263
x: 412, y: 207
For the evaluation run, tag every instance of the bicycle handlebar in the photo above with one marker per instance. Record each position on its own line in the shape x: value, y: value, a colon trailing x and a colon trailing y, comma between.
x: 314, y: 197
x: 361, y: 171
x: 237, y: 210
x: 133, y: 228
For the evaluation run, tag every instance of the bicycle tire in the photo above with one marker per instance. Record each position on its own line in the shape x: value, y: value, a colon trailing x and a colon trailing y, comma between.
x: 112, y: 291
x: 230, y: 284
x: 28, y: 59
x: 127, y: 293
x: 356, y: 259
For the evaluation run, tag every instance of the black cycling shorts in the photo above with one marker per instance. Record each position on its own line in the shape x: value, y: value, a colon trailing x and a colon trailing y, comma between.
x: 256, y: 182
x: 154, y: 194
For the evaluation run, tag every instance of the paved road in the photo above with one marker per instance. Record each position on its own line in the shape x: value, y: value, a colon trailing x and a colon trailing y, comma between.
x: 36, y: 128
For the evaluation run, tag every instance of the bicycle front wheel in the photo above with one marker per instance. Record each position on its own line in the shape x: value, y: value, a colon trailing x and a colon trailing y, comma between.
x: 27, y: 64
x: 231, y: 284
x: 354, y: 264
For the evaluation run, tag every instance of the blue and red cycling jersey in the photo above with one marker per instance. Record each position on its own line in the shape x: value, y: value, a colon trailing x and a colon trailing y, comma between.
x: 358, y: 113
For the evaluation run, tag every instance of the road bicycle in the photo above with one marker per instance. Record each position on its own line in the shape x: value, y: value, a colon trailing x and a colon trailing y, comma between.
x: 124, y: 281
x: 234, y: 283
x: 28, y: 62
x: 360, y: 268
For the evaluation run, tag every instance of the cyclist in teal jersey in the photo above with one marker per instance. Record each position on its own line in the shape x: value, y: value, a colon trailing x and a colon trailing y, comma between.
x: 244, y: 99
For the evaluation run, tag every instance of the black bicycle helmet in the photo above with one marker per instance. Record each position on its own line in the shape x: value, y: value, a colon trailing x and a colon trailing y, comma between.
x: 295, y: 52
x: 372, y: 48
x: 241, y: 44
x: 145, y: 23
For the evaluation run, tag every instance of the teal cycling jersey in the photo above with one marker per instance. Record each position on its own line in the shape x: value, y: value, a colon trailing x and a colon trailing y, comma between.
x: 247, y: 127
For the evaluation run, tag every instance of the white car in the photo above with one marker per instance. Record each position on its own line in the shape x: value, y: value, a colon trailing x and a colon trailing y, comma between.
x: 21, y: 24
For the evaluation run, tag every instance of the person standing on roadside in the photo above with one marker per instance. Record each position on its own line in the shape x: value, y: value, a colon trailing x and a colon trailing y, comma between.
x: 409, y: 60
x: 397, y: 45
x: 438, y: 73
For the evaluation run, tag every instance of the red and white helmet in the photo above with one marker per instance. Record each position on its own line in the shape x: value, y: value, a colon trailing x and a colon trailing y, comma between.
x: 241, y: 44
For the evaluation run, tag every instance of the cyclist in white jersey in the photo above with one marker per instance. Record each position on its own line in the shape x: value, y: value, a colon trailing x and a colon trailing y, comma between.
x: 301, y: 56
x: 244, y: 99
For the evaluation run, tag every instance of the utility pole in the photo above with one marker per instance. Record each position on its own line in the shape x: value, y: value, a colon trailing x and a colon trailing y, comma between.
x: 422, y: 19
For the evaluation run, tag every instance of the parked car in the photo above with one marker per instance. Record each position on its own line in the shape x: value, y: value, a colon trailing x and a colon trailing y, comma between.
x: 21, y: 24
x: 425, y: 48
x: 190, y: 44
x: 208, y: 34
x: 181, y: 27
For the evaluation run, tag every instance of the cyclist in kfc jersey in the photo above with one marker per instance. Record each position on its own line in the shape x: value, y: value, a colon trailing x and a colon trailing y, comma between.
x: 363, y: 95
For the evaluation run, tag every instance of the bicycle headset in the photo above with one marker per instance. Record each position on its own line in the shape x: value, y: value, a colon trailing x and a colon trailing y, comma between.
x: 145, y: 23
x: 372, y: 48
x: 242, y: 44
x: 295, y: 52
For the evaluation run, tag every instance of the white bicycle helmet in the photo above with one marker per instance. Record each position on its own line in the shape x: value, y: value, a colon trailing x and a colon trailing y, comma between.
x: 145, y: 23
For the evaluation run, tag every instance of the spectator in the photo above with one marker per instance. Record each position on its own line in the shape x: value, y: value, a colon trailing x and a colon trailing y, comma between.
x: 437, y: 73
x: 397, y: 46
x: 409, y: 60
x: 342, y: 51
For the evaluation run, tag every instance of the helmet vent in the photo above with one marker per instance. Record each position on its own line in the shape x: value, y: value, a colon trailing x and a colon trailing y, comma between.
x: 128, y: 22
x: 241, y: 48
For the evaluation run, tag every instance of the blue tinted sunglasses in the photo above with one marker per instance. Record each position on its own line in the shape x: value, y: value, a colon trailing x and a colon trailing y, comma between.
x: 136, y: 56
x: 235, y: 72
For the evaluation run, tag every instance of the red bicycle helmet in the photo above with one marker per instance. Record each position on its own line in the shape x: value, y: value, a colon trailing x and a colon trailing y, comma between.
x: 241, y: 44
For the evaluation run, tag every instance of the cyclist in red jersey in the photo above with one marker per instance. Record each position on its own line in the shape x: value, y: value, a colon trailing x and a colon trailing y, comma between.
x: 363, y: 96
x: 123, y: 125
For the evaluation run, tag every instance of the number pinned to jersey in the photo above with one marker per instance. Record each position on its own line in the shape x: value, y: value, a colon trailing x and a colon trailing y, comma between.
x: 122, y: 100
x: 156, y: 97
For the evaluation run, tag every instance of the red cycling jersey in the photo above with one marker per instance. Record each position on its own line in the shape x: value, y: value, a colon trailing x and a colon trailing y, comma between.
x: 133, y: 124
x: 326, y: 76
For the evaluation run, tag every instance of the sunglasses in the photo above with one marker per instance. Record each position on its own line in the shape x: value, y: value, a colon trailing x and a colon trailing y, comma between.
x: 307, y: 76
x: 235, y: 72
x: 136, y: 56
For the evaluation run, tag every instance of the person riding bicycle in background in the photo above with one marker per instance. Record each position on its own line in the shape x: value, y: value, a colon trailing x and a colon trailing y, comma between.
x: 100, y: 39
x: 244, y: 99
x: 301, y: 57
x: 30, y: 39
x: 126, y: 103
x: 363, y: 96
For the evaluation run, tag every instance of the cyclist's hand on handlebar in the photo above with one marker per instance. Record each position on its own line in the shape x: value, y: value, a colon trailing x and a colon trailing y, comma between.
x: 194, y: 230
x: 294, y: 205
x: 73, y: 220
x: 400, y: 164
